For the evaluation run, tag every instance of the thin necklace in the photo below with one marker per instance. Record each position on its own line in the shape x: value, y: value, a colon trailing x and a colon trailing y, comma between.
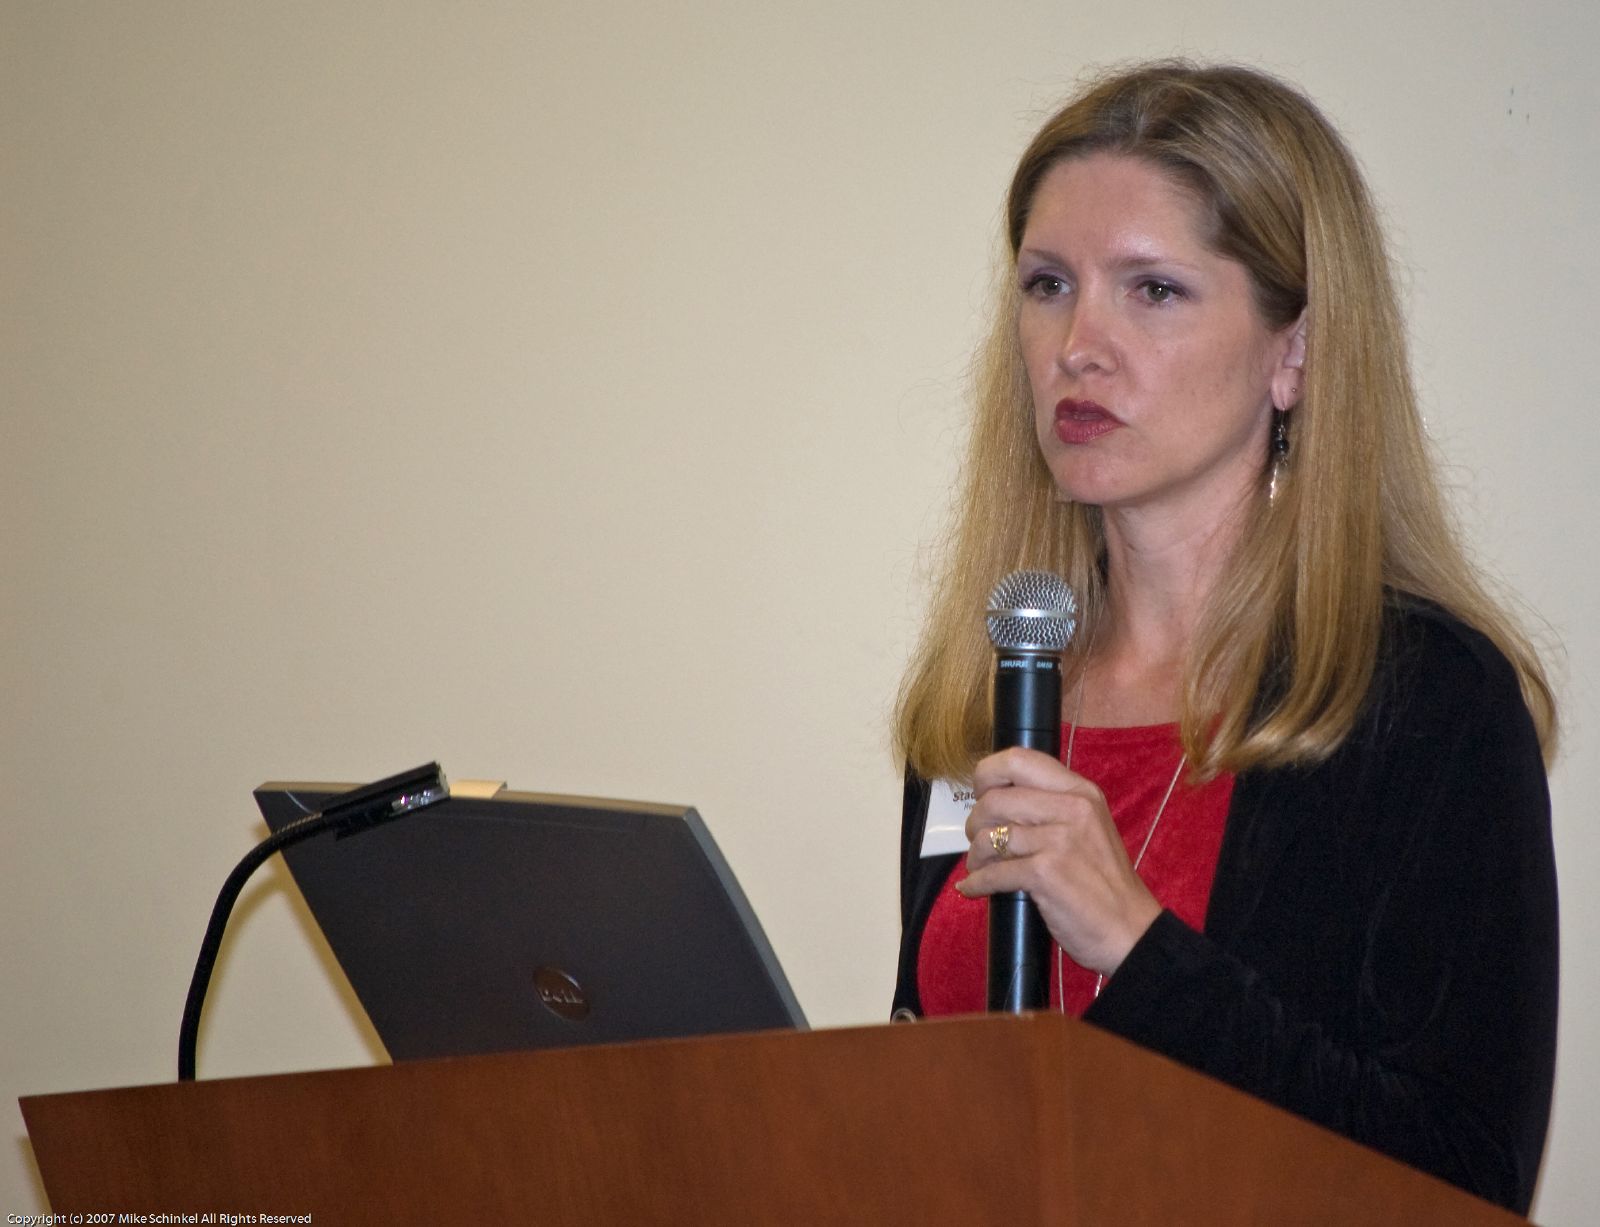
x: 1072, y: 736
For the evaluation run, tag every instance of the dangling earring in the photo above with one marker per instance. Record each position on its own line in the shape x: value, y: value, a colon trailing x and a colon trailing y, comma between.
x: 1278, y: 452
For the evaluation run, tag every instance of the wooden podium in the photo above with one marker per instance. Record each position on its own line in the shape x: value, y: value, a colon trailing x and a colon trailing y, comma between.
x: 1021, y: 1121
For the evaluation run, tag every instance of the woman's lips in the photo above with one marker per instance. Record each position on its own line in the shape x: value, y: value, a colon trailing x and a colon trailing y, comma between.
x: 1080, y: 421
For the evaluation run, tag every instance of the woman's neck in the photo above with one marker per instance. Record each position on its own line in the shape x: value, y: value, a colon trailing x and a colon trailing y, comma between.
x: 1159, y: 576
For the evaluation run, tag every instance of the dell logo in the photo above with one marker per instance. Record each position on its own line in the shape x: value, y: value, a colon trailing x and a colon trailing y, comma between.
x: 562, y: 995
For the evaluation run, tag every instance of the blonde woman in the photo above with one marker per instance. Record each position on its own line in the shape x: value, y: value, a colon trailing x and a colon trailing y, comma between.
x: 1299, y: 836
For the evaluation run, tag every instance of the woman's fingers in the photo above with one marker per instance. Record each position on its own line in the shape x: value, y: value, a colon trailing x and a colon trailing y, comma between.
x: 1017, y: 766
x: 1025, y: 786
x: 1040, y: 828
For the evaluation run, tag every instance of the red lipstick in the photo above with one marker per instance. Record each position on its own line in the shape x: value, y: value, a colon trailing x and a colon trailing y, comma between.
x: 1082, y: 421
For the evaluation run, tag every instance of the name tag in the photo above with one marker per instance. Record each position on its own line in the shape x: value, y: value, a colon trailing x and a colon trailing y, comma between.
x: 948, y: 807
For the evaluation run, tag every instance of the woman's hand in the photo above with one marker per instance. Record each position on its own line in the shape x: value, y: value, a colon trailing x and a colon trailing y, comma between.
x: 1063, y: 849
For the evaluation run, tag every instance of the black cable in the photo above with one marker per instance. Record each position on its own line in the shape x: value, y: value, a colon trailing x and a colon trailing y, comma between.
x: 189, y: 1033
x: 349, y: 813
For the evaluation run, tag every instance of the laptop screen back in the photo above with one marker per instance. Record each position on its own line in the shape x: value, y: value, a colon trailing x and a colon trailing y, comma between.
x: 528, y: 921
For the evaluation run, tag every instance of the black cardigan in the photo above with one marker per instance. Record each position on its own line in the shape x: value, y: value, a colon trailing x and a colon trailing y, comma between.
x: 1379, y: 953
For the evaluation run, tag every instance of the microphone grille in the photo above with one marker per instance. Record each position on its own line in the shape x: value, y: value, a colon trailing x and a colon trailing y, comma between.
x: 1032, y: 611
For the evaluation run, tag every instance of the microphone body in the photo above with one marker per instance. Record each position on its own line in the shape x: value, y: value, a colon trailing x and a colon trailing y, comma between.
x: 1032, y: 616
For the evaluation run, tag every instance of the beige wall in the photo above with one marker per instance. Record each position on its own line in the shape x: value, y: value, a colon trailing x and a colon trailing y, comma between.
x: 387, y: 381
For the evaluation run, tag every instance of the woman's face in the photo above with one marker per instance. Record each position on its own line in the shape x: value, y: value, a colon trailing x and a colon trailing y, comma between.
x: 1151, y: 369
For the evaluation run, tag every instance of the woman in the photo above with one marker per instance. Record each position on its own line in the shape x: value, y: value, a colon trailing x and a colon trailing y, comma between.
x: 1299, y: 837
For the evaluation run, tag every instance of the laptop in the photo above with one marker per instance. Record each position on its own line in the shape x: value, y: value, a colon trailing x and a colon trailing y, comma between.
x: 497, y: 921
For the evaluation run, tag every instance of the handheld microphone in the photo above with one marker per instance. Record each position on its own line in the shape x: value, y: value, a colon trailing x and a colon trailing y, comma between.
x: 1031, y: 619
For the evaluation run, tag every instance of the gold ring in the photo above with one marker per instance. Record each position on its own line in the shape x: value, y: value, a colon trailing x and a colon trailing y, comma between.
x: 1000, y: 840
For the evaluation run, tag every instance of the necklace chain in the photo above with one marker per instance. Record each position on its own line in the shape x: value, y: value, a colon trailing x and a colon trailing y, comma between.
x: 1072, y: 736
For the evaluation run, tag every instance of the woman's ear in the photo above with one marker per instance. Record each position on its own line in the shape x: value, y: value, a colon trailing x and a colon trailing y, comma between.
x: 1287, y: 381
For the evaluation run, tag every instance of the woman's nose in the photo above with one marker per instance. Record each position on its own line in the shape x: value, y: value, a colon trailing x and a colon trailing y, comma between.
x: 1087, y: 344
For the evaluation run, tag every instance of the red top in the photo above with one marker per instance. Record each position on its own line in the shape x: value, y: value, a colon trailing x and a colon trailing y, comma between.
x: 1133, y: 767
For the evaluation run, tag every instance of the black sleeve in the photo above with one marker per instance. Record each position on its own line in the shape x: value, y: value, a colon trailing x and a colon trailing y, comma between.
x: 1395, y: 981
x: 920, y: 881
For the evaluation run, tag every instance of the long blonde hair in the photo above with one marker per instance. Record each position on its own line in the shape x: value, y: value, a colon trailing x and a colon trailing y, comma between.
x: 1361, y: 510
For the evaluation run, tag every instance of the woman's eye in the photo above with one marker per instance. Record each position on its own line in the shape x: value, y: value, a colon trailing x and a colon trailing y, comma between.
x: 1159, y: 291
x: 1044, y: 285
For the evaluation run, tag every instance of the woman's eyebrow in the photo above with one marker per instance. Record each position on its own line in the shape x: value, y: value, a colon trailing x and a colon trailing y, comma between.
x: 1128, y: 261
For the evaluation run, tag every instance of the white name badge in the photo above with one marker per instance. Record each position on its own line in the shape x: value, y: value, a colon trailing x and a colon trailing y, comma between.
x: 948, y: 807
